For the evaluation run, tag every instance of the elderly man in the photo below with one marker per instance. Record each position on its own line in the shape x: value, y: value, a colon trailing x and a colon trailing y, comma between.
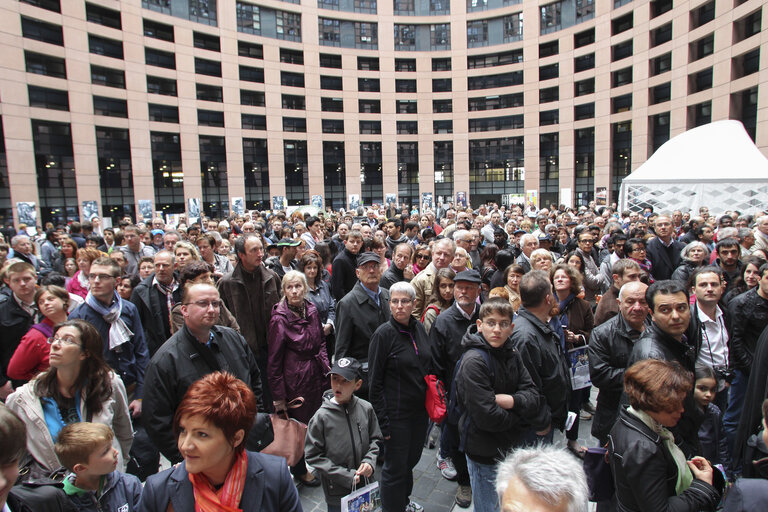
x: 624, y: 271
x: 541, y: 479
x: 401, y: 268
x: 528, y: 244
x: 22, y: 249
x: 153, y: 297
x: 664, y: 250
x: 169, y: 240
x: 442, y: 256
x: 761, y: 234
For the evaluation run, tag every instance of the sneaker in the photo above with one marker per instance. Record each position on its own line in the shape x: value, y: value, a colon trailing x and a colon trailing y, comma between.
x: 414, y: 507
x: 445, y: 465
x: 464, y: 496
x: 584, y: 415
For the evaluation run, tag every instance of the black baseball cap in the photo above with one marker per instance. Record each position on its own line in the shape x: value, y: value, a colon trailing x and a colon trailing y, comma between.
x: 367, y: 257
x: 348, y: 367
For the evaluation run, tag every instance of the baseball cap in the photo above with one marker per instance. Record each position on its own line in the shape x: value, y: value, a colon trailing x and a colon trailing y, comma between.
x: 469, y: 275
x: 289, y: 242
x: 348, y: 367
x: 367, y: 257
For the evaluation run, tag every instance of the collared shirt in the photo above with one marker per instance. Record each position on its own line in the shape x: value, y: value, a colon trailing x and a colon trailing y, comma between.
x: 373, y: 295
x: 714, y: 340
x: 30, y: 309
x: 464, y: 313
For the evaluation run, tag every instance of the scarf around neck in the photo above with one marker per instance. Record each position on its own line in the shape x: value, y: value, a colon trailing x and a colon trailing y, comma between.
x: 119, y: 333
x: 226, y: 499
x: 684, y: 475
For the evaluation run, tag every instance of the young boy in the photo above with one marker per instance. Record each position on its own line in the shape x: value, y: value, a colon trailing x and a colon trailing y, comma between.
x: 496, y: 399
x: 343, y: 436
x: 86, y: 450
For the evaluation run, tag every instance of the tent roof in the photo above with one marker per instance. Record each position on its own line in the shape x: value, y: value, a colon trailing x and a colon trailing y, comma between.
x: 721, y: 151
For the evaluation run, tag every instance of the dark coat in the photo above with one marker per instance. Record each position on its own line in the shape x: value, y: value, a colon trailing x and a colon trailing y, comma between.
x: 268, y: 488
x: 492, y: 430
x: 397, y: 386
x: 748, y: 318
x: 545, y: 361
x: 14, y: 322
x: 343, y: 277
x: 298, y: 361
x: 39, y: 497
x: 656, y: 344
x: 250, y: 310
x: 391, y: 276
x: 714, y: 446
x: 608, y: 307
x: 684, y: 271
x: 357, y: 317
x: 610, y: 347
x: 147, y: 300
x: 446, y: 334
x: 176, y: 365
x: 665, y: 259
x: 645, y: 473
x: 747, y: 495
x: 751, y: 418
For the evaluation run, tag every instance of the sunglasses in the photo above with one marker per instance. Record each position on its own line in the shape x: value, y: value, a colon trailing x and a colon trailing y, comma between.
x: 422, y: 256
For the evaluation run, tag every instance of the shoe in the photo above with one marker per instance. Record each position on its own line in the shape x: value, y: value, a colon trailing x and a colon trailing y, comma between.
x: 313, y: 482
x: 577, y: 451
x: 414, y: 507
x: 587, y: 406
x: 446, y: 467
x: 584, y: 415
x: 464, y: 496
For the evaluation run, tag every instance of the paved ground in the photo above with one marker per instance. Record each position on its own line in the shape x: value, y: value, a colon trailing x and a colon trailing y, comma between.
x: 430, y: 489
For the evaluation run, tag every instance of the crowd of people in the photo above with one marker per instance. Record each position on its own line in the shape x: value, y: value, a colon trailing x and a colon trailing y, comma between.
x: 121, y: 344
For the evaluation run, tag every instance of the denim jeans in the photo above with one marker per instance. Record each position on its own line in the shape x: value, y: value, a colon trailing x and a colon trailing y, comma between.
x: 483, y: 480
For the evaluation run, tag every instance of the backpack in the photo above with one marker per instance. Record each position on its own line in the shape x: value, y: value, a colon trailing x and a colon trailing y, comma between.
x: 457, y: 414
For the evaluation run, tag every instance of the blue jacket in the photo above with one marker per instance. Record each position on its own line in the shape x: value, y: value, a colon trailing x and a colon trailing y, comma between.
x: 268, y: 488
x: 119, y: 491
x: 130, y: 360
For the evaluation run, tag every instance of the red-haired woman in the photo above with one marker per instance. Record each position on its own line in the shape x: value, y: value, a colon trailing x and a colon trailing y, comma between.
x: 651, y: 472
x: 79, y: 285
x: 218, y: 474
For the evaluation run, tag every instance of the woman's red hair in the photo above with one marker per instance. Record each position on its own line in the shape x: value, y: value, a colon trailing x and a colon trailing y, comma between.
x: 223, y: 400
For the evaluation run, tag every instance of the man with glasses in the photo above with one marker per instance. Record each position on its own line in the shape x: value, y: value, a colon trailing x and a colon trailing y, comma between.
x: 200, y: 347
x: 664, y: 250
x: 442, y: 256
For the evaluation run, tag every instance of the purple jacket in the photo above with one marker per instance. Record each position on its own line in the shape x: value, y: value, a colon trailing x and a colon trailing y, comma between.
x: 298, y: 360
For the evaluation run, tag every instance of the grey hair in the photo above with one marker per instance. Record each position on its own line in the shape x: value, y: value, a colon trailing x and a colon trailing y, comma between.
x: 632, y: 284
x: 295, y: 275
x: 550, y: 473
x: 459, y: 234
x: 684, y: 252
x: 743, y: 233
x: 729, y: 232
x: 403, y: 287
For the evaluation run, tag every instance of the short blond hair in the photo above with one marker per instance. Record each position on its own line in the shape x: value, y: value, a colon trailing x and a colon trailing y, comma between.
x: 77, y: 441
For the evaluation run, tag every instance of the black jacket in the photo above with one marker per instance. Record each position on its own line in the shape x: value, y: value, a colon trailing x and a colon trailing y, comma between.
x: 492, y: 430
x: 610, y: 346
x: 391, y: 276
x: 751, y: 418
x: 152, y: 307
x: 749, y: 316
x: 665, y: 259
x: 545, y: 361
x: 447, y: 333
x: 343, y: 277
x: 656, y: 344
x: 176, y: 365
x: 14, y: 323
x: 357, y: 317
x: 684, y: 271
x: 396, y: 371
x: 645, y: 473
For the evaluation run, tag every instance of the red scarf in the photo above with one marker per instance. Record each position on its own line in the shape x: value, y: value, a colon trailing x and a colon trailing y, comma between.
x: 227, y: 499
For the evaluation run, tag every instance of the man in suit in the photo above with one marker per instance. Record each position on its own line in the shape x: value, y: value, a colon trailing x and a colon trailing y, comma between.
x: 664, y: 250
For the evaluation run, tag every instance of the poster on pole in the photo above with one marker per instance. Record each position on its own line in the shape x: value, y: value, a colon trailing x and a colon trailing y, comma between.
x: 317, y: 201
x: 27, y: 213
x: 278, y: 203
x: 145, y: 209
x: 90, y: 210
x: 427, y: 202
x: 238, y: 206
x: 566, y: 197
x: 354, y: 201
x: 461, y: 199
x: 193, y: 209
x: 390, y: 199
x: 532, y: 198
x: 601, y: 196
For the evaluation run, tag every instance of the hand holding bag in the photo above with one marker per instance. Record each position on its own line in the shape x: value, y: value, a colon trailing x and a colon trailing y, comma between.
x: 365, y: 499
x: 289, y: 435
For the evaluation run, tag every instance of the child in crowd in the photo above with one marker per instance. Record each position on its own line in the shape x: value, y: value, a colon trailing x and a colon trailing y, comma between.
x: 343, y: 436
x: 714, y: 446
x: 86, y: 450
x: 498, y: 397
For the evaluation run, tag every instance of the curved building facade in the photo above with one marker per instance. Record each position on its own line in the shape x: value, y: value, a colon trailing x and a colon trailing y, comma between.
x: 142, y: 105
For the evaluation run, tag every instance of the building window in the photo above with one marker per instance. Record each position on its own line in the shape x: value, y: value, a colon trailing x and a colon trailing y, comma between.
x: 700, y: 81
x: 251, y: 50
x: 621, y: 50
x: 442, y: 126
x: 107, y: 76
x: 442, y: 106
x: 661, y: 35
x: 549, y: 117
x: 248, y: 18
x: 296, y: 171
x: 513, y: 27
x: 49, y: 5
x: 55, y: 165
x: 621, y: 156
x: 110, y: 107
x: 549, y: 48
x: 405, y: 65
x: 368, y: 63
x: 488, y: 124
x: 549, y: 71
x: 163, y: 86
x: 404, y: 7
x: 585, y: 10
x: 744, y: 108
x: 213, y: 170
x: 328, y: 4
x: 113, y: 149
x: 702, y: 48
x: 405, y: 107
x: 163, y: 113
x: 496, y: 167
x: 163, y: 6
x: 407, y: 127
x: 209, y: 93
x: 622, y: 24
x: 291, y: 79
x: 370, y: 127
x: 329, y: 32
x: 368, y: 85
x: 495, y: 102
x: 252, y: 98
x: 293, y: 102
x: 477, y: 33
x: 584, y: 87
x: 251, y: 74
x: 584, y: 38
x: 253, y: 122
x: 440, y: 36
x: 213, y: 118
x: 47, y: 65
x: 621, y: 77
x: 256, y: 167
x: 203, y: 11
x: 621, y: 103
x: 660, y: 93
x: 659, y: 7
x: 328, y: 60
x: 158, y: 30
x: 206, y: 42
x: 103, y: 16
x: 584, y: 165
x: 699, y: 114
x: 405, y: 37
x: 288, y: 25
x: 45, y: 97
x: 168, y: 172
x: 105, y: 46
x: 702, y: 14
x: 333, y: 125
x: 551, y: 17
x: 495, y: 59
x: 408, y: 172
x: 331, y: 83
x: 549, y: 167
x: 659, y: 130
x: 42, y: 31
x: 368, y: 6
x: 370, y: 172
x: 369, y: 106
x: 294, y: 124
x: 442, y: 85
x: 661, y: 64
x: 493, y: 81
x: 438, y: 64
x: 745, y: 64
x: 159, y: 58
x: 207, y: 67
x: 366, y: 35
x: 584, y: 62
x: 549, y: 95
x: 403, y: 85
x: 334, y: 174
x: 585, y: 111
x: 443, y: 158
x: 747, y: 26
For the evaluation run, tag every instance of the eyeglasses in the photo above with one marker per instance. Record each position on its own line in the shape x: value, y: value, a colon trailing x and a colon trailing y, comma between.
x: 62, y: 341
x: 638, y: 249
x: 492, y: 324
x: 422, y: 256
x: 100, y: 277
x: 397, y: 302
x: 205, y: 304
x: 587, y: 241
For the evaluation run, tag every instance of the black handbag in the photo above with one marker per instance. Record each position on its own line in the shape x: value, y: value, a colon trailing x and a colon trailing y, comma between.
x: 599, y: 475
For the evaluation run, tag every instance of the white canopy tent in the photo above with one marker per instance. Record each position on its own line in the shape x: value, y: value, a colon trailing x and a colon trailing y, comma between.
x: 716, y: 165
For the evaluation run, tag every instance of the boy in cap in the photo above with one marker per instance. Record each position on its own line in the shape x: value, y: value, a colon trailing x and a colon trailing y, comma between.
x: 343, y: 436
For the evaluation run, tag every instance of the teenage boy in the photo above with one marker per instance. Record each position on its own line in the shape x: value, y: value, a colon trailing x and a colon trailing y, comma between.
x: 498, y: 398
x: 343, y: 436
x: 86, y: 450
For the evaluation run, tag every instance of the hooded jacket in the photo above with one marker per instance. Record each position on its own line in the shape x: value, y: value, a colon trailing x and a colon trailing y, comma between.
x: 491, y: 430
x: 120, y: 493
x: 339, y: 439
x: 545, y: 360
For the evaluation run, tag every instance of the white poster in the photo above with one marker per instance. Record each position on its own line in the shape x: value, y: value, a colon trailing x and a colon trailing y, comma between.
x: 566, y: 197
